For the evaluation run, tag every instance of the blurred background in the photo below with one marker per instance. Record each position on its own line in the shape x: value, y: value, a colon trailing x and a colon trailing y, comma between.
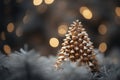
x: 42, y: 24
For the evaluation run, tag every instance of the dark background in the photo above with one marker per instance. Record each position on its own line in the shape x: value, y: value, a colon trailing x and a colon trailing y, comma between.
x: 38, y: 24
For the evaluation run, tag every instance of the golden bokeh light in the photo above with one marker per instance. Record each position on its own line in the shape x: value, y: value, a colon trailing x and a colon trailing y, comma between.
x: 86, y: 13
x: 3, y: 36
x: 117, y: 11
x: 37, y: 2
x: 49, y: 1
x: 62, y: 29
x: 102, y: 29
x: 7, y: 49
x: 103, y: 47
x: 19, y: 32
x: 25, y: 19
x: 54, y: 42
x: 10, y: 27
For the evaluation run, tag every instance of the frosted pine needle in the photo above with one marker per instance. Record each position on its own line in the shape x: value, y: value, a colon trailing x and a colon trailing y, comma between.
x: 77, y: 47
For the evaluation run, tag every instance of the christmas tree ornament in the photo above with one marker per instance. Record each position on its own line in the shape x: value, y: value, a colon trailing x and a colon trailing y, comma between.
x: 78, y: 48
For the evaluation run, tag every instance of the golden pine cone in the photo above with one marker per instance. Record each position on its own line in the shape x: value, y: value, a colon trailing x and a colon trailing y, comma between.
x: 77, y: 47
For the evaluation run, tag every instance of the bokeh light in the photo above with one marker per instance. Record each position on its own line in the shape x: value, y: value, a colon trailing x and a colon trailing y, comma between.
x: 54, y: 42
x: 10, y: 27
x: 7, y: 49
x: 49, y: 1
x: 19, y: 32
x: 86, y: 13
x: 117, y: 11
x: 102, y: 29
x: 37, y: 2
x: 62, y: 29
x: 25, y: 19
x: 3, y: 36
x: 103, y: 47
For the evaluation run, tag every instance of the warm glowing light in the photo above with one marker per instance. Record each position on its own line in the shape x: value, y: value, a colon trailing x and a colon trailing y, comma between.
x: 37, y: 2
x: 19, y: 32
x: 49, y: 1
x: 7, y: 49
x: 3, y: 36
x: 117, y: 11
x: 102, y: 29
x: 86, y: 12
x: 62, y: 29
x: 103, y: 47
x: 25, y: 19
x: 10, y: 27
x: 54, y: 42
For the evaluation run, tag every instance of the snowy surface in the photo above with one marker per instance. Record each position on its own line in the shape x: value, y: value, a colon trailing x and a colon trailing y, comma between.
x: 31, y: 66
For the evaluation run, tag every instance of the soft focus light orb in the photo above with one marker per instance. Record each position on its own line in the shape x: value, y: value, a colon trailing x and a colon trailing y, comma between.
x: 49, y: 1
x: 25, y: 19
x: 117, y: 11
x: 7, y: 49
x: 102, y: 29
x: 10, y: 27
x: 37, y: 2
x: 86, y: 13
x: 54, y: 42
x: 103, y: 47
x: 3, y: 36
x: 19, y: 32
x: 62, y: 29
